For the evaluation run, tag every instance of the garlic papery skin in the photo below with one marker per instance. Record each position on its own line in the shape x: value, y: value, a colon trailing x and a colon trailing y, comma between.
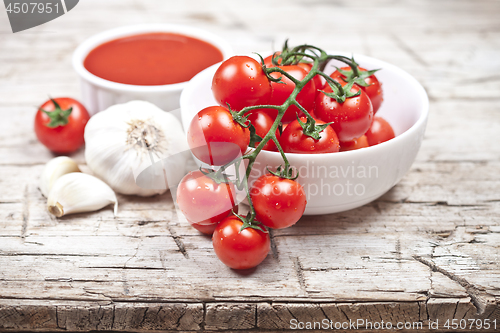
x: 127, y: 139
x: 78, y: 192
x: 54, y: 169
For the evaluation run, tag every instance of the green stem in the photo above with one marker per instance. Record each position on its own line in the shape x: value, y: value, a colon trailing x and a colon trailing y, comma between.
x: 280, y: 149
x: 349, y: 62
x: 281, y: 71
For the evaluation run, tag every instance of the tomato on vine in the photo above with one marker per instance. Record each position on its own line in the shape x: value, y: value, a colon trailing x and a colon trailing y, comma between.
x: 282, y: 90
x: 373, y: 87
x: 310, y: 116
x: 204, y: 202
x: 294, y: 140
x: 240, y: 81
x: 278, y: 202
x: 240, y: 249
x: 60, y: 124
x: 351, y: 118
x: 263, y: 123
x: 318, y: 83
x: 215, y: 138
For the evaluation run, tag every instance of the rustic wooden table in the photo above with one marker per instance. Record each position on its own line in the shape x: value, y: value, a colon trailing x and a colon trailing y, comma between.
x: 428, y: 250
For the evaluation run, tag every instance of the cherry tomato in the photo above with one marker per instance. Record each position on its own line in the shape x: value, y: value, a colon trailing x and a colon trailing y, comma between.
x: 351, y: 119
x: 60, y: 124
x: 208, y: 229
x: 203, y: 202
x: 278, y: 202
x: 240, y: 81
x: 358, y: 143
x: 293, y: 140
x: 380, y: 131
x: 268, y: 61
x: 263, y: 123
x: 240, y: 250
x: 374, y: 90
x: 281, y: 91
x: 215, y: 138
x: 318, y: 83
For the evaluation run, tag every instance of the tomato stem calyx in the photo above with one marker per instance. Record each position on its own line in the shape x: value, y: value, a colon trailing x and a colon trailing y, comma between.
x: 250, y: 222
x: 287, y: 172
x: 58, y: 117
x: 254, y: 138
x: 310, y: 128
x: 239, y: 117
x: 359, y: 79
x: 218, y: 176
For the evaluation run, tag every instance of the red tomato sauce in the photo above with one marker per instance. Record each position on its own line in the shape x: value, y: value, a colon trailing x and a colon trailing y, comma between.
x: 151, y: 59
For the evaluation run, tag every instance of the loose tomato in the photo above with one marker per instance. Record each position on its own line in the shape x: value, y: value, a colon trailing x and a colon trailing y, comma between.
x: 358, y: 143
x: 263, y: 123
x: 203, y: 202
x: 215, y: 138
x: 240, y: 82
x: 283, y: 89
x: 374, y: 89
x: 240, y: 250
x: 293, y: 140
x: 278, y: 202
x: 380, y: 131
x: 351, y: 119
x: 60, y: 124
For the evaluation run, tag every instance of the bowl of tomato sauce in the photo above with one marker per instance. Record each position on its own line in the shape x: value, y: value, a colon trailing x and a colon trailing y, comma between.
x: 151, y: 62
x: 340, y: 181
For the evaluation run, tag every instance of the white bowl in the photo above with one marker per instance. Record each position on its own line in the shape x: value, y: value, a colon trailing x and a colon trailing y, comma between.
x: 341, y: 181
x: 98, y: 94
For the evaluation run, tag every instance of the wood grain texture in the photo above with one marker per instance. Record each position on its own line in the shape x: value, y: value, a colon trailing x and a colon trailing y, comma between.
x: 427, y: 250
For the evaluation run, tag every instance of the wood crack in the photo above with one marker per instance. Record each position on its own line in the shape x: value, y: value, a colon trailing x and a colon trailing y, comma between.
x: 178, y: 241
x: 26, y: 212
x: 300, y: 274
x: 479, y: 298
x: 409, y: 51
x: 274, y: 248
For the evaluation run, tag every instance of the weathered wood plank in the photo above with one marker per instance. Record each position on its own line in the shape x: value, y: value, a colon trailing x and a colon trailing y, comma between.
x: 149, y: 317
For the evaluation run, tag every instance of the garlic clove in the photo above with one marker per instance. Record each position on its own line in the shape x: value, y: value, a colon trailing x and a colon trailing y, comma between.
x: 54, y: 169
x: 79, y: 192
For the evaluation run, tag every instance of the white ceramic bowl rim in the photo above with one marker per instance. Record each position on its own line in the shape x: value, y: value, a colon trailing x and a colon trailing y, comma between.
x: 88, y: 45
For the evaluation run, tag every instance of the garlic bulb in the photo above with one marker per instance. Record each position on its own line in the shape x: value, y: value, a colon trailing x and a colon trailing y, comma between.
x: 136, y: 148
x: 54, y: 169
x: 78, y: 192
